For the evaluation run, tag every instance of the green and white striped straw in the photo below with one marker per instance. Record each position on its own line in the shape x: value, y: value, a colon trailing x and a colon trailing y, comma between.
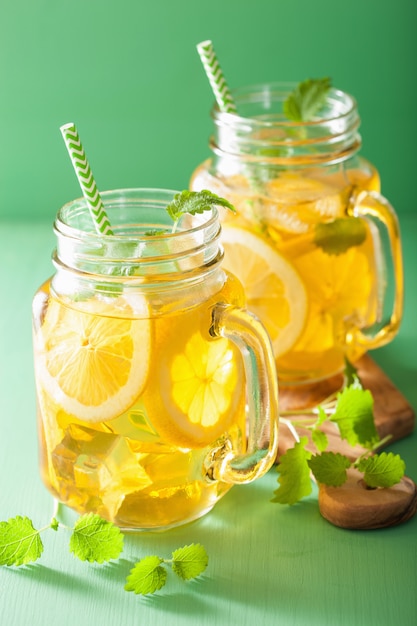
x: 215, y: 75
x: 85, y: 179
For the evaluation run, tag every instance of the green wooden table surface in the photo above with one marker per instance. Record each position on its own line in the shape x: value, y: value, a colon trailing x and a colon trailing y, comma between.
x: 268, y: 564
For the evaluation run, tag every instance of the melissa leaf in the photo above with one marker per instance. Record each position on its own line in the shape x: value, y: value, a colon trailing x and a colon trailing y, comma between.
x: 189, y: 561
x: 329, y: 468
x: 147, y: 576
x: 354, y: 416
x: 19, y: 542
x: 307, y: 99
x: 193, y: 202
x: 382, y: 470
x: 339, y: 235
x: 294, y: 474
x: 95, y: 539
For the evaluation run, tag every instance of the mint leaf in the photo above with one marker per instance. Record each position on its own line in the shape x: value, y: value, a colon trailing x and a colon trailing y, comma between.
x: 95, y: 539
x: 19, y: 542
x: 195, y: 202
x: 294, y: 478
x: 351, y: 374
x: 307, y: 99
x: 189, y: 561
x: 329, y: 468
x: 382, y: 470
x: 152, y: 232
x: 322, y: 417
x: 320, y: 439
x: 355, y: 418
x: 339, y: 235
x: 147, y: 576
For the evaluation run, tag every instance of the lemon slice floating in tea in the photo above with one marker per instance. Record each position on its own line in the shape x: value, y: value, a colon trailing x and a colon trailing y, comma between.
x: 199, y: 391
x: 342, y: 294
x: 274, y: 289
x: 309, y: 199
x: 92, y: 364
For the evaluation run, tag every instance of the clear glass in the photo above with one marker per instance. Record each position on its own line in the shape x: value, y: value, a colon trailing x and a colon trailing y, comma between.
x: 315, y: 245
x: 156, y: 388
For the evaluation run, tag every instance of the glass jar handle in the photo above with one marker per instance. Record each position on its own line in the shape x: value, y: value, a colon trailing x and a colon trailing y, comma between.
x: 250, y: 336
x: 376, y: 209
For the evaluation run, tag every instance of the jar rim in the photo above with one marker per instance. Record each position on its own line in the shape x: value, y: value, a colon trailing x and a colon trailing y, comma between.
x: 146, y: 243
x: 151, y: 197
x: 261, y: 135
x: 278, y: 91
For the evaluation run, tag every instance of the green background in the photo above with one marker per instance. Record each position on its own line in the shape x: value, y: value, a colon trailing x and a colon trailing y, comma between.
x: 128, y: 74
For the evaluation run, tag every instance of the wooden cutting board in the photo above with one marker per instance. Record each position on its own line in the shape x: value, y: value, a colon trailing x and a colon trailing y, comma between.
x: 393, y: 414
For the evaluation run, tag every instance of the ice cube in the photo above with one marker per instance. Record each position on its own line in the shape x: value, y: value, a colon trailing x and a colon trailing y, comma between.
x: 99, y: 465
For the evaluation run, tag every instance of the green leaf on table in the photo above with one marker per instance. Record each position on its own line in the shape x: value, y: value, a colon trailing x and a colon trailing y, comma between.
x: 19, y: 542
x: 193, y: 202
x: 307, y: 99
x: 95, y: 539
x: 382, y: 470
x: 329, y: 468
x: 189, y: 561
x: 294, y: 474
x: 354, y: 416
x: 147, y: 576
x: 339, y: 235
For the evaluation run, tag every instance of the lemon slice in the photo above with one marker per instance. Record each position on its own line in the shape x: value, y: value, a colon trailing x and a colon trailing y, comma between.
x: 274, y: 289
x: 308, y: 193
x: 296, y: 204
x: 92, y: 364
x: 342, y: 294
x: 198, y: 391
x: 203, y: 380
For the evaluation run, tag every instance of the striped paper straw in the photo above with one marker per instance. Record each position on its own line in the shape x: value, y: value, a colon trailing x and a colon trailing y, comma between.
x: 215, y: 75
x: 85, y: 179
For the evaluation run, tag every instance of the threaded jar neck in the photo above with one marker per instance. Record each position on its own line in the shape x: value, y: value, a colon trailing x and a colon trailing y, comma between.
x: 261, y: 134
x: 147, y: 248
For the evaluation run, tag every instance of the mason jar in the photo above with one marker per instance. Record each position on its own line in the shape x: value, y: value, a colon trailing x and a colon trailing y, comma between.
x: 156, y: 388
x: 314, y: 243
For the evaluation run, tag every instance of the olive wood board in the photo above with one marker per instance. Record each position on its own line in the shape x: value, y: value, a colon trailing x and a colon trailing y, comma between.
x: 393, y: 414
x: 353, y: 505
